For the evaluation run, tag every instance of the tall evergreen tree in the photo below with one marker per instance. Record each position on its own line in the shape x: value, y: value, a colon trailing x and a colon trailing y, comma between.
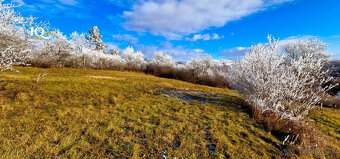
x: 96, y: 39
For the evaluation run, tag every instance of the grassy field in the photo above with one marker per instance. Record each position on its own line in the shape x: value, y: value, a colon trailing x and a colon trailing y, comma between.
x: 77, y: 113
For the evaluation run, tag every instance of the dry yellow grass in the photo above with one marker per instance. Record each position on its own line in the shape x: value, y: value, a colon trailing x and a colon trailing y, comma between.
x: 78, y: 113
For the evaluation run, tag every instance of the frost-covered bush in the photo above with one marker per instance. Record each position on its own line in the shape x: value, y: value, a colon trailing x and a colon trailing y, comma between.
x: 160, y: 59
x: 288, y: 83
x: 56, y: 51
x: 115, y: 52
x: 88, y: 56
x: 101, y: 60
x: 11, y: 56
x: 13, y: 28
x: 202, y: 67
x: 14, y: 43
x: 79, y: 42
x: 134, y: 60
x: 81, y: 49
x: 206, y: 67
x: 307, y: 49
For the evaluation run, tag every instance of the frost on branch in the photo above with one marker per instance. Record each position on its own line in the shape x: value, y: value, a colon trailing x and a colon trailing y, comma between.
x: 14, y: 42
x: 13, y: 27
x: 202, y: 67
x: 288, y: 83
x: 55, y: 51
x: 96, y: 39
x: 304, y: 48
x: 11, y: 56
x: 115, y: 52
x: 134, y: 60
x: 162, y: 60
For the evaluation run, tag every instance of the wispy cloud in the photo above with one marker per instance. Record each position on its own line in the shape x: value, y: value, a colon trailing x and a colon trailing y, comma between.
x: 234, y: 52
x: 240, y: 51
x: 174, y: 18
x: 69, y: 2
x: 55, y: 8
x: 297, y: 38
x: 205, y: 37
x: 21, y: 2
x: 179, y: 53
x: 126, y: 37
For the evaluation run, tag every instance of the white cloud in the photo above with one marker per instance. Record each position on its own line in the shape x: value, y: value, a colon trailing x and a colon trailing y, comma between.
x: 240, y: 51
x: 297, y: 38
x: 216, y: 36
x: 68, y: 2
x: 204, y: 37
x: 235, y: 52
x: 179, y: 53
x: 21, y: 2
x: 126, y: 37
x: 112, y: 45
x: 56, y: 8
x: 174, y: 19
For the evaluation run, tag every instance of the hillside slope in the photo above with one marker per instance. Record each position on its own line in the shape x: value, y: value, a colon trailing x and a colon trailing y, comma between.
x: 81, y: 113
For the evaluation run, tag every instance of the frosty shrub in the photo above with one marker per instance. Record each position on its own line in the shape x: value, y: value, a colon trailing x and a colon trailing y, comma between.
x: 162, y: 60
x: 81, y: 49
x: 14, y: 43
x: 13, y: 28
x: 307, y: 49
x: 54, y: 52
x: 202, y: 67
x: 209, y: 71
x: 134, y: 60
x: 115, y: 52
x: 11, y: 56
x: 86, y: 54
x: 285, y: 81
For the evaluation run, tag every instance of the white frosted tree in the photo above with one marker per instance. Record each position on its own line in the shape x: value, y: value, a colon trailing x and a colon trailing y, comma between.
x: 162, y: 60
x: 305, y: 49
x: 79, y: 42
x: 10, y: 57
x: 202, y: 66
x: 14, y: 40
x: 96, y: 39
x: 134, y: 60
x: 115, y: 52
x: 81, y: 47
x: 271, y: 80
x: 56, y: 51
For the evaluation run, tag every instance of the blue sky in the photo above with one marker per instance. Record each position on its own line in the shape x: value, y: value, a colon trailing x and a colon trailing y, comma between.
x: 191, y: 28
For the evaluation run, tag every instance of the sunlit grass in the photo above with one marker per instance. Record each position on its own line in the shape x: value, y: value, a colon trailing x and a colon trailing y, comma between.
x: 81, y: 113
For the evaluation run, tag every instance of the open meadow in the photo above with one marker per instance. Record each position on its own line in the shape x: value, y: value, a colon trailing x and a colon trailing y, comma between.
x: 80, y: 113
x: 169, y: 79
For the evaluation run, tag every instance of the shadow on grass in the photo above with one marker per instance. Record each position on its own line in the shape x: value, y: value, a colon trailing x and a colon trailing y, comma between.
x: 235, y: 104
x: 191, y: 96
